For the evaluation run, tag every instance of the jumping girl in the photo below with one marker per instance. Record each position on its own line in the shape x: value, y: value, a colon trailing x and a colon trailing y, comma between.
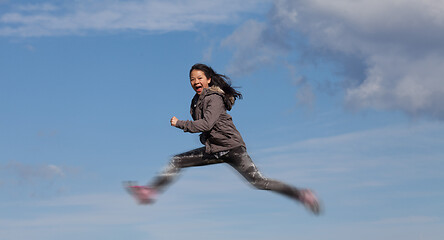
x: 223, y: 142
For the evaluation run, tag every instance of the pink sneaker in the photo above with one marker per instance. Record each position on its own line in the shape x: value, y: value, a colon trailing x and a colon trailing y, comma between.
x: 310, y: 201
x: 143, y: 194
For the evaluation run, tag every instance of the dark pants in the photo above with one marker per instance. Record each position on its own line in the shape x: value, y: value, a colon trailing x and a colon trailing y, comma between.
x: 238, y: 158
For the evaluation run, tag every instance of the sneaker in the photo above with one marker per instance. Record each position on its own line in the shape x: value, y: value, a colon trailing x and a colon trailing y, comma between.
x: 310, y: 201
x: 143, y: 194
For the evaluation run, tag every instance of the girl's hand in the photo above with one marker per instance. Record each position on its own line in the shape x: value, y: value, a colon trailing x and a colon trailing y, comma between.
x: 173, y: 121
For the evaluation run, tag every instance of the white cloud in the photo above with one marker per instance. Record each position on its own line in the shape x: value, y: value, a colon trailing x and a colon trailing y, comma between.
x: 390, y: 53
x: 79, y: 17
x: 393, y: 82
x: 252, y: 47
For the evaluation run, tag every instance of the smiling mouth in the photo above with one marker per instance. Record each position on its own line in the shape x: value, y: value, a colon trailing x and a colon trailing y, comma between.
x: 198, y: 88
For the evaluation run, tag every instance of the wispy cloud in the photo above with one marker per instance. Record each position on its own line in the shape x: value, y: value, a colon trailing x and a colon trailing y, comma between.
x: 24, y: 172
x: 32, y: 179
x: 366, y: 172
x: 42, y: 7
x: 254, y: 46
x: 89, y: 214
x: 364, y: 159
x: 407, y: 220
x: 80, y: 17
x: 388, y: 53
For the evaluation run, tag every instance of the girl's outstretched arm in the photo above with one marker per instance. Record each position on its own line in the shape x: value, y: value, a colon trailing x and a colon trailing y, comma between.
x: 214, y: 108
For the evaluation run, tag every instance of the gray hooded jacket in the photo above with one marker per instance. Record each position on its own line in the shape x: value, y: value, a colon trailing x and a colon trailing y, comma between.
x: 209, y: 112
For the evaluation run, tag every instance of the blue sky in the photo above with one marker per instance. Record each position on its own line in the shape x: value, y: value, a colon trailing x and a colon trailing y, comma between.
x: 344, y: 97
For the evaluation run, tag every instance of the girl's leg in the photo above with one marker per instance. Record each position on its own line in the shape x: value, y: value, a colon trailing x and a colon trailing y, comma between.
x: 239, y: 159
x: 193, y: 158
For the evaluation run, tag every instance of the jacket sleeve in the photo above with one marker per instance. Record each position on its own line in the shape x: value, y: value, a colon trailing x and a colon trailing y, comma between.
x: 214, y: 107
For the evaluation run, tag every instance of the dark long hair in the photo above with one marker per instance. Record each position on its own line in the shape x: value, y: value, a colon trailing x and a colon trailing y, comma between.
x: 219, y: 80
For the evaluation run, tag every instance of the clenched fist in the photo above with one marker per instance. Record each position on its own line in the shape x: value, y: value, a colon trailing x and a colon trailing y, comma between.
x: 173, y: 121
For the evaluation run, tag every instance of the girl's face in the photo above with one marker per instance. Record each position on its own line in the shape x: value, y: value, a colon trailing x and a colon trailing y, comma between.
x: 199, y: 81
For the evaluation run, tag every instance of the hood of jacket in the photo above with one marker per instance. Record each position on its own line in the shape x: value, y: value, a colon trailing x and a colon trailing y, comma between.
x: 228, y: 101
